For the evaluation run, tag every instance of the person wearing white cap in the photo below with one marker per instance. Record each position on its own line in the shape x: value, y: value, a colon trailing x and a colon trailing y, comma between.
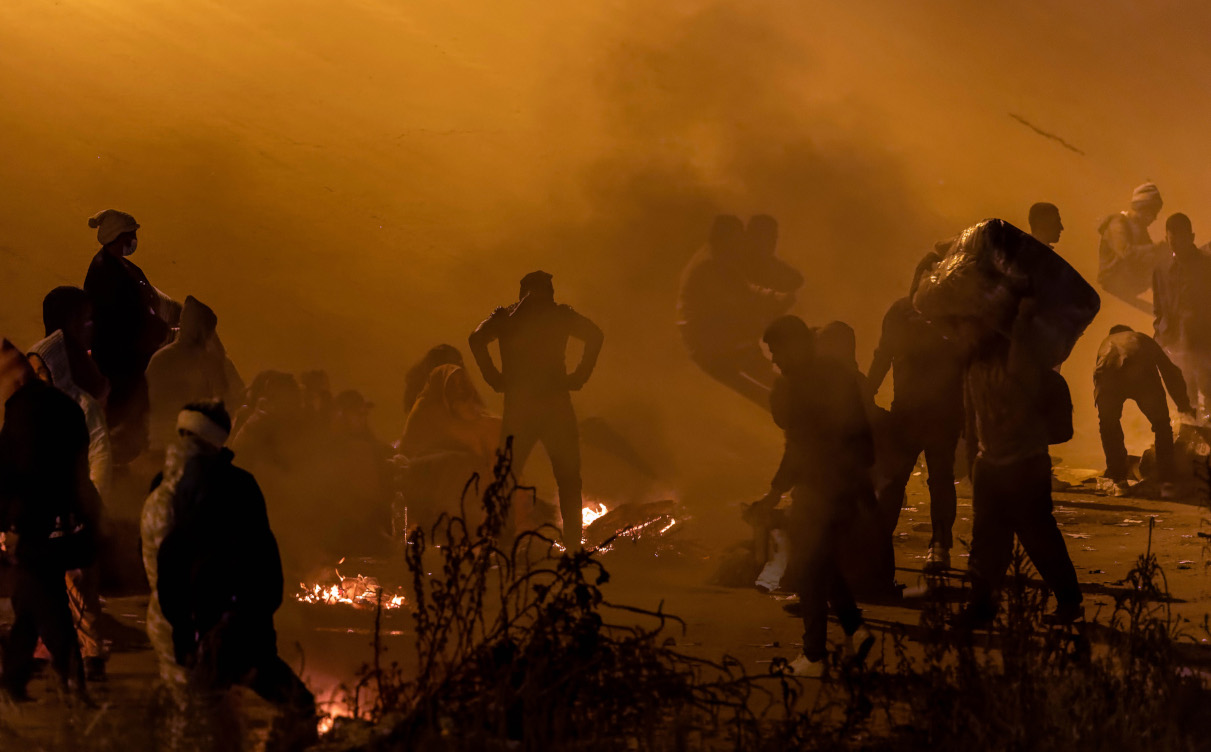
x: 128, y: 328
x: 216, y: 577
x: 1127, y: 255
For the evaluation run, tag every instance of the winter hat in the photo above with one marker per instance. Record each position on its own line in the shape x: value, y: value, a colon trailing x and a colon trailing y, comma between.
x: 1146, y: 194
x: 204, y: 420
x: 111, y: 223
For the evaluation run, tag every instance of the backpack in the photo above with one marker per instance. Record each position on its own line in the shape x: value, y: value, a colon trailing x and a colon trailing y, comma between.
x: 1055, y: 404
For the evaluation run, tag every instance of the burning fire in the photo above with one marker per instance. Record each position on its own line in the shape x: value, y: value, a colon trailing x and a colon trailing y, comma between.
x: 590, y: 513
x: 359, y: 591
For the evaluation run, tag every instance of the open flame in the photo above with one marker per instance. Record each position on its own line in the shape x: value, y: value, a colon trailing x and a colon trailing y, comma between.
x: 359, y: 591
x: 591, y: 512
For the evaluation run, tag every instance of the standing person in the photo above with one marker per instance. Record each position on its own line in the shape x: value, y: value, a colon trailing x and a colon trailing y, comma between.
x: 721, y: 311
x: 194, y: 368
x: 1045, y: 224
x: 533, y: 336
x: 128, y: 331
x: 50, y: 360
x: 926, y: 416
x: 1127, y: 255
x: 1015, y: 408
x: 829, y: 451
x: 1130, y: 366
x: 47, y: 508
x: 219, y: 576
x: 1181, y: 291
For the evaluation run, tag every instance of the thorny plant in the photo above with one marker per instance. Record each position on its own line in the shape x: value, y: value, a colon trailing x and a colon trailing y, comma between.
x: 517, y: 649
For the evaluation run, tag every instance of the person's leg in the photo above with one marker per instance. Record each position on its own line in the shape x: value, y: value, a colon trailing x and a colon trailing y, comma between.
x: 561, y: 439
x: 23, y: 636
x: 1035, y: 526
x: 296, y: 723
x: 521, y: 424
x: 1150, y: 397
x: 904, y: 447
x: 811, y: 569
x: 85, y: 601
x: 940, y: 446
x: 991, y: 535
x: 1109, y: 403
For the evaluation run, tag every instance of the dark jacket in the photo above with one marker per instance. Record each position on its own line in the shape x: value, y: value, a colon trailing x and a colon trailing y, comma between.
x: 829, y: 445
x: 927, y: 369
x: 1181, y: 289
x: 220, y: 572
x: 127, y: 330
x: 44, y: 483
x: 1127, y: 361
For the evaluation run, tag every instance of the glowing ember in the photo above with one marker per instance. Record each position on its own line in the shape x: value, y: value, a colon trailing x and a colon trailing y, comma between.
x: 592, y: 512
x: 359, y: 591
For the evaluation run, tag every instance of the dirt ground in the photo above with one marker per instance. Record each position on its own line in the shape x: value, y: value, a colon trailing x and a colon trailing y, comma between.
x: 328, y: 643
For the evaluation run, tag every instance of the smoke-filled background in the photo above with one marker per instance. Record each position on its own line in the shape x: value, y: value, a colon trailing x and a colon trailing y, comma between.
x: 348, y: 182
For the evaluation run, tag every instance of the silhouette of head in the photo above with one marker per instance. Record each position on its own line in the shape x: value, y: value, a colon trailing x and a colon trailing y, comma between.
x: 727, y: 237
x: 1120, y: 328
x: 924, y: 267
x: 1146, y: 203
x: 198, y: 321
x: 70, y: 309
x: 836, y: 340
x: 1045, y: 224
x: 537, y: 286
x: 791, y: 343
x: 1179, y: 233
x: 762, y: 235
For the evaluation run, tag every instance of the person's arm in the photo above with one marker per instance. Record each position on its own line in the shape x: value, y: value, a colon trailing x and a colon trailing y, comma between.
x: 1175, y: 382
x: 881, y: 363
x: 783, y: 480
x: 485, y: 334
x: 593, y: 338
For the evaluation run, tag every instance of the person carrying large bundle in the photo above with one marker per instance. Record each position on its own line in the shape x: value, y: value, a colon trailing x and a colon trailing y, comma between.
x: 1016, y: 308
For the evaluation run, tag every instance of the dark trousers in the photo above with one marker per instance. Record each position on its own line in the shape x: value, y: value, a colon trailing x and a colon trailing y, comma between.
x: 549, y: 419
x: 1009, y: 500
x: 815, y: 530
x: 1110, y: 394
x: 41, y: 609
x: 938, y: 438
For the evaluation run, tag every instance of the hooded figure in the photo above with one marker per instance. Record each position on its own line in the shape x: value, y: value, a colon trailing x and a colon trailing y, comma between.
x: 47, y: 501
x: 448, y: 436
x: 194, y: 368
x: 128, y: 328
x: 417, y: 377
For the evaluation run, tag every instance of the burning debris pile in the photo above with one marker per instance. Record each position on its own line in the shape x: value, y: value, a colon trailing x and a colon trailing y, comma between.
x: 649, y: 523
x: 359, y: 591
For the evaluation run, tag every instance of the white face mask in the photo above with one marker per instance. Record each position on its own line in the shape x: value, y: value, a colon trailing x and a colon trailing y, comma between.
x: 134, y: 243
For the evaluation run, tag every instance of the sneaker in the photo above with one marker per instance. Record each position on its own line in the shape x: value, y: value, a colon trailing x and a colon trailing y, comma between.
x: 806, y: 668
x: 857, y: 645
x: 1121, y: 488
x: 938, y: 558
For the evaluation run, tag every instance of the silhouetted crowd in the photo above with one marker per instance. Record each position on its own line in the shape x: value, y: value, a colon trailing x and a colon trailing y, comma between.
x: 131, y: 390
x: 974, y: 350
